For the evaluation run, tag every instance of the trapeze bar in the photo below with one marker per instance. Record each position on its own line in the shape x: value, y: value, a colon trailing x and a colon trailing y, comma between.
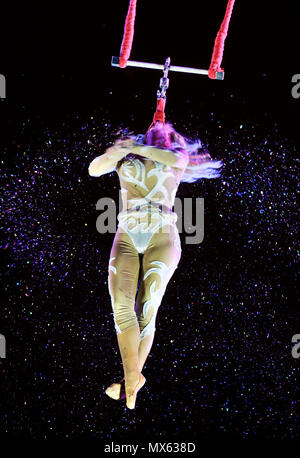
x: 132, y: 63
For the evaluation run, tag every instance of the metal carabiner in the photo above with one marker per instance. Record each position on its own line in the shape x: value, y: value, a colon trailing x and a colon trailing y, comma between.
x: 164, y: 81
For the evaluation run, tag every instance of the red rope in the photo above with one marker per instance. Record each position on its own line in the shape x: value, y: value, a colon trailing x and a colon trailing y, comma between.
x: 128, y: 34
x: 159, y: 115
x: 217, y: 56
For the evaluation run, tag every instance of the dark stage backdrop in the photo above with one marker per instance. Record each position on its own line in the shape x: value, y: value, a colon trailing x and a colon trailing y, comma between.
x: 221, y: 364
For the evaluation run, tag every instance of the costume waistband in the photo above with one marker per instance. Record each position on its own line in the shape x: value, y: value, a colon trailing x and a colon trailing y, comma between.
x: 149, y: 208
x: 148, y: 205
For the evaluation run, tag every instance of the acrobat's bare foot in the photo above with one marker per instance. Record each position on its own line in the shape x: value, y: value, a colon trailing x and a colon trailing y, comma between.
x: 116, y: 390
x: 133, y: 384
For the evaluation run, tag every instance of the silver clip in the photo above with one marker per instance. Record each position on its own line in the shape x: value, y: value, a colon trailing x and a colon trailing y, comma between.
x: 164, y: 81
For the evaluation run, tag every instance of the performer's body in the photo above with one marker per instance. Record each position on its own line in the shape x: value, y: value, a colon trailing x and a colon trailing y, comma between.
x: 146, y: 248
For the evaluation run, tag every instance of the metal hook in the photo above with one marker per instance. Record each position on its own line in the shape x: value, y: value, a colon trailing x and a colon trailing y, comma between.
x: 164, y: 81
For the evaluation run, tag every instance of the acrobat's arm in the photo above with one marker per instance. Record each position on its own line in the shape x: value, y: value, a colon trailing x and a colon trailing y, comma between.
x: 108, y: 161
x: 165, y: 156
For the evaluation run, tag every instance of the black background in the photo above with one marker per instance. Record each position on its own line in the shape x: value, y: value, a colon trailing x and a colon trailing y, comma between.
x: 56, y: 60
x: 56, y: 56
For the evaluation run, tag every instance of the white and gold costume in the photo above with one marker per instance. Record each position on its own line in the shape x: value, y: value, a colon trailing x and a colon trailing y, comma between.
x: 146, y: 228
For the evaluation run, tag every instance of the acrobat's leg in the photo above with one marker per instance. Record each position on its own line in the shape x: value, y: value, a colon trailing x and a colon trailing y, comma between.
x: 160, y: 260
x: 123, y: 277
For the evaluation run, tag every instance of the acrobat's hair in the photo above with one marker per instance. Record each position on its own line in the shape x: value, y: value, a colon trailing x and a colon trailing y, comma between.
x: 200, y: 165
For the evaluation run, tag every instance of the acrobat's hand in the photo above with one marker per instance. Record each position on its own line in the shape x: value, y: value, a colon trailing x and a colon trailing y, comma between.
x: 127, y: 144
x: 121, y: 146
